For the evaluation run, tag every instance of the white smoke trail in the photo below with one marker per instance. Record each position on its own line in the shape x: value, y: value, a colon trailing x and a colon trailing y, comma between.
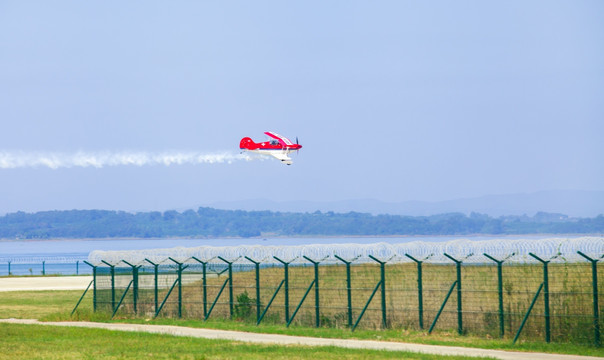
x: 56, y: 160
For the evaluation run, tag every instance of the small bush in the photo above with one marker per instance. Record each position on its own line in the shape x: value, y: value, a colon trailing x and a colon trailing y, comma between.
x: 243, y: 307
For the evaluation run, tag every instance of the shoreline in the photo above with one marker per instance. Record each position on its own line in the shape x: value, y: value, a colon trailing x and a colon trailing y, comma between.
x: 281, y: 237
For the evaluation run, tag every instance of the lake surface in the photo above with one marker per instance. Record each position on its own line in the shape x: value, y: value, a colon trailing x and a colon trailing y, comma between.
x: 34, y: 257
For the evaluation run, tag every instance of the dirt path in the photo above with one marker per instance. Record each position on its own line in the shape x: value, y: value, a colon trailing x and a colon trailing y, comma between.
x: 25, y: 283
x: 34, y: 283
x: 308, y: 341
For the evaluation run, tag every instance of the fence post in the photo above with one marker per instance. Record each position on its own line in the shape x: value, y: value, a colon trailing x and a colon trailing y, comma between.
x: 230, y: 266
x: 204, y: 284
x: 135, y: 289
x: 545, y: 295
x: 420, y: 298
x: 134, y: 285
x: 317, y: 309
x: 154, y: 280
x: 317, y: 302
x: 9, y: 274
x: 94, y: 285
x: 500, y: 290
x: 257, y: 268
x: 286, y: 283
x: 78, y: 267
x: 459, y: 305
x: 43, y: 268
x: 383, y: 285
x: 348, y: 287
x: 180, y: 268
x: 112, y: 269
x: 594, y: 284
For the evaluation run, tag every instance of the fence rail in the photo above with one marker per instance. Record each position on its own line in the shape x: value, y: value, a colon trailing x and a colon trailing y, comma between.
x: 43, y: 266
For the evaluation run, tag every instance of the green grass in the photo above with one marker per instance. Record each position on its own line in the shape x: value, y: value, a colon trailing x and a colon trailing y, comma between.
x: 53, y: 342
x: 447, y: 338
x: 57, y: 306
x: 37, y: 304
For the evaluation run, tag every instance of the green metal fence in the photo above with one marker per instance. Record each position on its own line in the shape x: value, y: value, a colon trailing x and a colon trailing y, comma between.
x: 547, y: 299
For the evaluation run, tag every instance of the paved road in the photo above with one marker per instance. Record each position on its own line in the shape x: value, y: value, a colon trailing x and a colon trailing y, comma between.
x: 308, y: 341
x: 26, y: 283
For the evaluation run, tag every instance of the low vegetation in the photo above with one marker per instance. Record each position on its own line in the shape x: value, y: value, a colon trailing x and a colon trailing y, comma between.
x: 38, y: 304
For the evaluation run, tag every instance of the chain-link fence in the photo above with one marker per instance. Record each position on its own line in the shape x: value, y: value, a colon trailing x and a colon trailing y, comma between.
x: 540, y: 297
x: 43, y: 265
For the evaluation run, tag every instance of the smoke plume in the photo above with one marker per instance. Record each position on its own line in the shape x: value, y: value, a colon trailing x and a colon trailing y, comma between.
x: 56, y: 160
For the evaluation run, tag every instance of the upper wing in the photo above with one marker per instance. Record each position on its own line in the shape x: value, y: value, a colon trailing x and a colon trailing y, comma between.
x: 282, y: 139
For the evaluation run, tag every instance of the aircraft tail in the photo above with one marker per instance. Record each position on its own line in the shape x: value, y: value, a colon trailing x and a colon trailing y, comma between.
x: 247, y: 144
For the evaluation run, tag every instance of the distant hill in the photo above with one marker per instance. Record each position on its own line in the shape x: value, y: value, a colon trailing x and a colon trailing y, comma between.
x: 208, y: 222
x: 571, y: 202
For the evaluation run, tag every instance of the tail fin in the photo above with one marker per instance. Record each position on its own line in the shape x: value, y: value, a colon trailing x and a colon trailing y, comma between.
x: 247, y: 144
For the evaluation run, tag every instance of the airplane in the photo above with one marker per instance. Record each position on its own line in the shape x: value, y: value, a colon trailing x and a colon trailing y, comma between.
x: 279, y: 147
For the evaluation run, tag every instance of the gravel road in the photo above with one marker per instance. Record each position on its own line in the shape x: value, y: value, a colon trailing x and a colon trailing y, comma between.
x: 26, y: 283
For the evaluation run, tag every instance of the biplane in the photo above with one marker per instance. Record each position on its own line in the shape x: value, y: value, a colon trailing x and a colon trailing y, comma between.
x: 278, y: 146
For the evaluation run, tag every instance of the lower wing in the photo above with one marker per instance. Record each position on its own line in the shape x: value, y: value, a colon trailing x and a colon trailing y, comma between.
x: 281, y: 156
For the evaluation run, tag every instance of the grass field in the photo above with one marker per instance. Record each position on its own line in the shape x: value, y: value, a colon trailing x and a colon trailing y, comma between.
x: 57, y: 305
x: 38, y: 304
x: 48, y: 342
x: 44, y: 342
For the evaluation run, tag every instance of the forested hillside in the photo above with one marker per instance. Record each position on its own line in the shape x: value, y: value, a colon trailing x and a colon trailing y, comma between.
x: 208, y: 222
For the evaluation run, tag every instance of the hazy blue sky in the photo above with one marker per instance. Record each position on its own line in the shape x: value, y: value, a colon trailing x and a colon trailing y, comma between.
x: 392, y: 100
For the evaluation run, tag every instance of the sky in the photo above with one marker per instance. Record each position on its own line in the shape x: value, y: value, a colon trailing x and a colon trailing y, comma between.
x: 391, y: 100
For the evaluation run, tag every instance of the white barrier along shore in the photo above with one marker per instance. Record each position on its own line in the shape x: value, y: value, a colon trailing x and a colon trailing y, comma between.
x: 27, y: 283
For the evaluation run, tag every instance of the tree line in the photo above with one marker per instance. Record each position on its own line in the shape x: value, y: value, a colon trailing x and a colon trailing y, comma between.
x: 209, y: 222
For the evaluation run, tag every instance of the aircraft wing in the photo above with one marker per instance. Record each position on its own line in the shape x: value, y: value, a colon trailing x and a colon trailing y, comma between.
x: 281, y: 156
x: 282, y: 139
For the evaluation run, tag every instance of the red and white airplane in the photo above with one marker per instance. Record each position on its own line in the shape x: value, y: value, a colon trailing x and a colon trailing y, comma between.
x: 279, y: 147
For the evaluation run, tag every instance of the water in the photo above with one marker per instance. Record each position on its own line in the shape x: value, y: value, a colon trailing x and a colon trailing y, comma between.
x: 35, y: 257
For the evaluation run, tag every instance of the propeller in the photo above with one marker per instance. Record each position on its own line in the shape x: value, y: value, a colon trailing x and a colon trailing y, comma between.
x: 297, y: 150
